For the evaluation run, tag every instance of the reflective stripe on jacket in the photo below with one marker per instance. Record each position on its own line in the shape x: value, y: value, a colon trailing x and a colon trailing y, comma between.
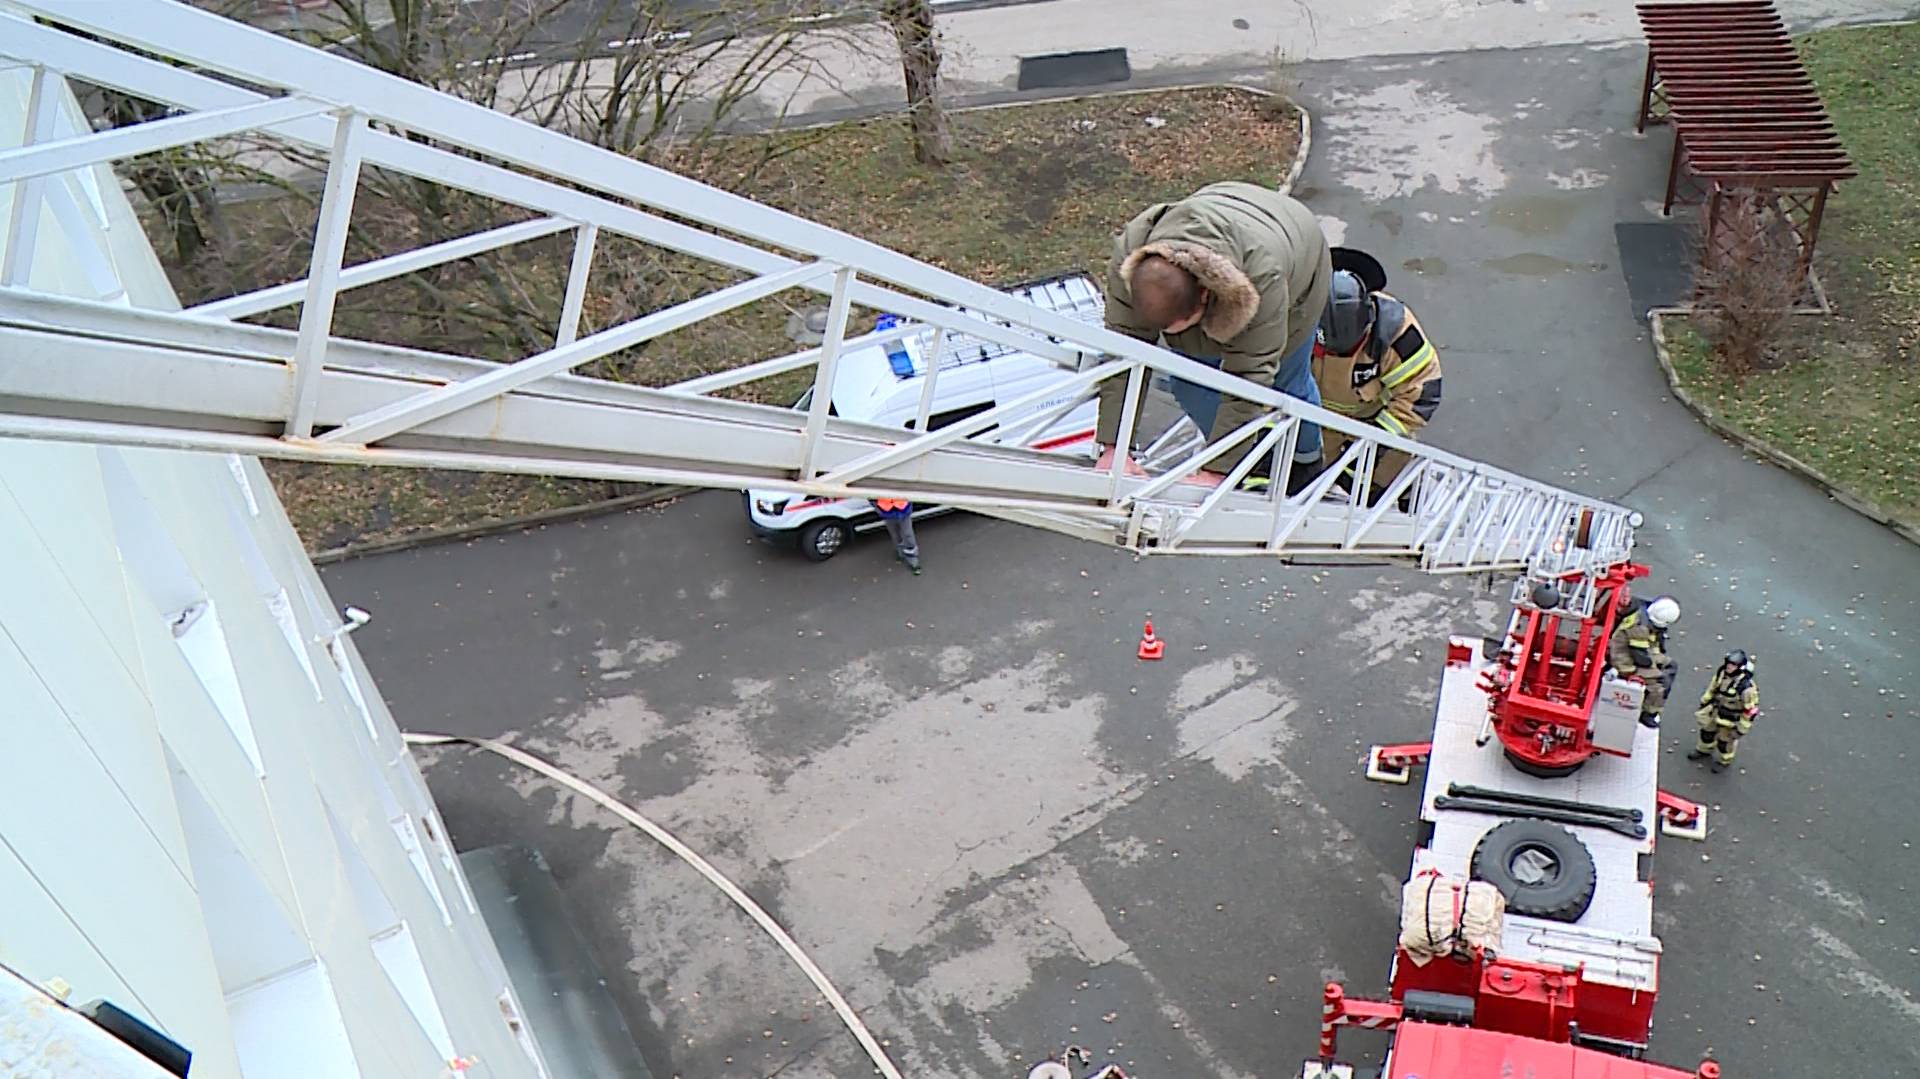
x: 1635, y: 645
x: 1733, y: 696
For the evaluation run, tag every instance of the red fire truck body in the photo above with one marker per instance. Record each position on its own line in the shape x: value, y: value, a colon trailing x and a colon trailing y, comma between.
x: 1434, y: 1051
x: 1542, y: 784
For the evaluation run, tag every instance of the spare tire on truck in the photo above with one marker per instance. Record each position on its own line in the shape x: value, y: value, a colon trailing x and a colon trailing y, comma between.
x: 1543, y: 869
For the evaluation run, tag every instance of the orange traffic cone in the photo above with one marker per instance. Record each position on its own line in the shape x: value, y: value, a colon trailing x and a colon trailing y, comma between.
x: 1151, y: 647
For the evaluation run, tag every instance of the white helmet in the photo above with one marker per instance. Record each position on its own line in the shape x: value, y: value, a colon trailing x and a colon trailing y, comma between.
x: 1663, y: 612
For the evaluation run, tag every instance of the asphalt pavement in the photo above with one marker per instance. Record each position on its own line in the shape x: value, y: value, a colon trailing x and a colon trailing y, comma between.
x: 1000, y: 833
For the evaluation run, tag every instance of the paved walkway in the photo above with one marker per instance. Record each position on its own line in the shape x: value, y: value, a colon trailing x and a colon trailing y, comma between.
x: 999, y: 833
x: 1193, y: 40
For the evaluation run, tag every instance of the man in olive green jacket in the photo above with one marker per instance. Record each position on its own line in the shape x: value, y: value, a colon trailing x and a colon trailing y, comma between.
x: 1235, y: 276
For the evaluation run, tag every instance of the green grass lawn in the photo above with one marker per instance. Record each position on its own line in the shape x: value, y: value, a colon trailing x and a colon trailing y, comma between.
x: 1847, y: 400
x: 1036, y: 190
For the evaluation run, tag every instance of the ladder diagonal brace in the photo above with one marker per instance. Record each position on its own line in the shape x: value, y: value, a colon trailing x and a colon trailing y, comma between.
x: 16, y: 263
x: 1545, y: 530
x: 323, y: 276
x: 1388, y: 500
x: 93, y: 148
x: 1516, y: 519
x: 1453, y: 487
x: 1488, y: 515
x: 1309, y: 499
x: 1036, y: 424
x: 780, y: 365
x: 923, y: 411
x: 1283, y: 457
x: 575, y: 299
x: 1475, y: 489
x: 1123, y: 438
x: 1200, y: 459
x: 1226, y: 486
x: 867, y: 466
x: 821, y: 407
x: 382, y: 269
x: 440, y: 401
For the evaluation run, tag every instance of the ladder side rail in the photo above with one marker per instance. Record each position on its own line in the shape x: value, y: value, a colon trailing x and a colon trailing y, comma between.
x: 687, y: 440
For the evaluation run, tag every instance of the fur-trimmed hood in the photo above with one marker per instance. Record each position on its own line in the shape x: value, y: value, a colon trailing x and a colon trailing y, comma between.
x: 1233, y: 299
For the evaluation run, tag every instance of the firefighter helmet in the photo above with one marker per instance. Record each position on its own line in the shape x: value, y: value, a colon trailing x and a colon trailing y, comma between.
x: 1663, y: 612
x: 1349, y: 314
x: 1737, y: 658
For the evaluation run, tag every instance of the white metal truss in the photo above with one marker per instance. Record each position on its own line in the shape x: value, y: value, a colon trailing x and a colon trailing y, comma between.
x: 75, y: 369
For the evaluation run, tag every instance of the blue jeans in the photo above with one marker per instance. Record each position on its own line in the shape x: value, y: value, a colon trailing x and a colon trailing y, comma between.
x: 1293, y: 378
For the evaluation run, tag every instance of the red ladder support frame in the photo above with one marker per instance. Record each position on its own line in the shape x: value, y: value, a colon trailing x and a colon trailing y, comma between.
x: 1682, y: 818
x: 1395, y: 763
x: 1338, y: 1010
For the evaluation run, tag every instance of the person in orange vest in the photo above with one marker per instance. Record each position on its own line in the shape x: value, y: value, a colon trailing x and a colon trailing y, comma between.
x: 897, y: 515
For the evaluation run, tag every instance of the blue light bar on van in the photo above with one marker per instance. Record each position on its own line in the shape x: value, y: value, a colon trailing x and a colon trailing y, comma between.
x: 898, y: 357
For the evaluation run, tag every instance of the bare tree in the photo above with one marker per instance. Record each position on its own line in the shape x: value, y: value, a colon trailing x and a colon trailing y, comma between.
x: 1747, y: 282
x: 912, y: 24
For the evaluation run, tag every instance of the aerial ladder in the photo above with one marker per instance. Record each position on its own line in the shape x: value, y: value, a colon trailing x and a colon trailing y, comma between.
x: 83, y: 364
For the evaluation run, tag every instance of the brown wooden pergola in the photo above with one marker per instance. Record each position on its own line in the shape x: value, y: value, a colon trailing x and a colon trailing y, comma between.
x: 1747, y: 119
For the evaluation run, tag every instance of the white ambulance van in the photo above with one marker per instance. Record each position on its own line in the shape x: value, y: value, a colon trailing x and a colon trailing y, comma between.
x: 881, y: 384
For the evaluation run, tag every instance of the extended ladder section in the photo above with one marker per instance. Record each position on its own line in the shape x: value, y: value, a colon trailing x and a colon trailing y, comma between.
x: 94, y: 369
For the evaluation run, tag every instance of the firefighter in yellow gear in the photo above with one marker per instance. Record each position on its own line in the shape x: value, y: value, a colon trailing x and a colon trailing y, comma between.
x: 1638, y: 650
x: 1727, y: 710
x: 1373, y: 361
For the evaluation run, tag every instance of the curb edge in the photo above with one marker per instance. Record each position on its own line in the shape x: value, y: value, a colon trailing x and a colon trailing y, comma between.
x: 1301, y: 151
x: 1656, y: 319
x: 560, y: 515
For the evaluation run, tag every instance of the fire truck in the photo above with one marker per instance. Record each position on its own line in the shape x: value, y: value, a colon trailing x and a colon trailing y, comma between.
x: 1527, y: 944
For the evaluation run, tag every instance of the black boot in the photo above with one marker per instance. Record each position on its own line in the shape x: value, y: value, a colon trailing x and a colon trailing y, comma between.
x: 1699, y: 754
x: 1304, y: 473
x: 1650, y: 719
